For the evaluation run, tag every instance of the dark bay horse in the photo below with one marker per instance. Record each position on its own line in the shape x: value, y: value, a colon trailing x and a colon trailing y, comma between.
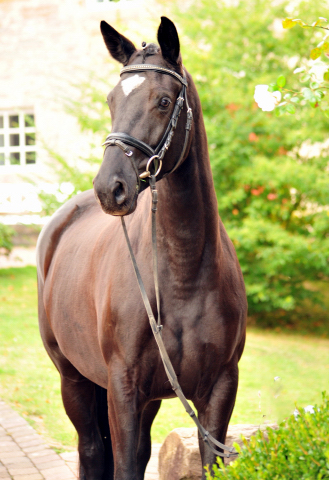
x: 92, y: 319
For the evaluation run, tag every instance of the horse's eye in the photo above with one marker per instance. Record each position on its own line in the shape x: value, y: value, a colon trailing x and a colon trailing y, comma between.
x: 165, y: 102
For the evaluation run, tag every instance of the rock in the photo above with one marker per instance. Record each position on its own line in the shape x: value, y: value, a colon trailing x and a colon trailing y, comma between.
x: 179, y: 456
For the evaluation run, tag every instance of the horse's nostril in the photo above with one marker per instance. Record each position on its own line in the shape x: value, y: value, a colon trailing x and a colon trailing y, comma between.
x: 119, y: 193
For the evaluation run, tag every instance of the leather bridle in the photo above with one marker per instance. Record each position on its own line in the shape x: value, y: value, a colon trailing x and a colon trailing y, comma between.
x: 123, y: 141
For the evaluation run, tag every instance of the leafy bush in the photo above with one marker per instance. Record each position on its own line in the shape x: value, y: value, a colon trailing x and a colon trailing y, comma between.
x: 314, y: 77
x: 298, y: 450
x: 6, y: 239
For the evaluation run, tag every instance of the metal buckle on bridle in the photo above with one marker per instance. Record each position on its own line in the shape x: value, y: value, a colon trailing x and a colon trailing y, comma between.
x: 147, y: 172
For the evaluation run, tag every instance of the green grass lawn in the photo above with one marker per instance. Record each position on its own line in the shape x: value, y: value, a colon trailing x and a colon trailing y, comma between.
x: 30, y: 383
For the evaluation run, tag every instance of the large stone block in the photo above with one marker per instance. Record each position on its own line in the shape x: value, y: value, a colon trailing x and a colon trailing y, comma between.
x: 179, y: 456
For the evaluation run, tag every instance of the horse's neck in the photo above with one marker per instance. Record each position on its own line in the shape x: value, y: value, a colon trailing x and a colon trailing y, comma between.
x: 188, y: 213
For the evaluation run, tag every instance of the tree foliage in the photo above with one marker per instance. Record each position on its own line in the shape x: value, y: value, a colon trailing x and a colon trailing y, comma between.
x: 273, y: 197
x: 310, y: 86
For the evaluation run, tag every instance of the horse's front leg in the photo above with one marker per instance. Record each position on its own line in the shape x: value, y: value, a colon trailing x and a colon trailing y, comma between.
x: 125, y: 412
x: 145, y: 444
x: 215, y: 414
x: 79, y: 400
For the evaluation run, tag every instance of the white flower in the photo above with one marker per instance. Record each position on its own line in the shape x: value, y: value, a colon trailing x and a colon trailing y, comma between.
x: 266, y: 100
x: 296, y: 413
x: 309, y: 409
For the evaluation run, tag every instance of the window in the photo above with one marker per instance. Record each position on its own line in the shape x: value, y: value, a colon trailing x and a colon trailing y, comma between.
x: 17, y: 138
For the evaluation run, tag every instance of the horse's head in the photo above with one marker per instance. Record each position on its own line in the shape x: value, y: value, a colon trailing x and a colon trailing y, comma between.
x: 144, y: 106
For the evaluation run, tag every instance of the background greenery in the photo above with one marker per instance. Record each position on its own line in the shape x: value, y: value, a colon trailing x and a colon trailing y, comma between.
x: 273, y: 195
x: 6, y: 239
x: 273, y: 199
x: 30, y: 383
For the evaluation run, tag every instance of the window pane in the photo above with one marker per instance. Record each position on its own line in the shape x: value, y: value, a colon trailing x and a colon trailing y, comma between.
x: 2, y: 140
x: 1, y: 122
x: 30, y: 157
x: 29, y: 120
x: 15, y: 158
x: 30, y: 139
x: 13, y: 121
x: 2, y: 158
x: 14, y: 139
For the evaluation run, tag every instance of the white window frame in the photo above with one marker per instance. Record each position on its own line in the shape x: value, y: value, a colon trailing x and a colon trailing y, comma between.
x: 22, y: 130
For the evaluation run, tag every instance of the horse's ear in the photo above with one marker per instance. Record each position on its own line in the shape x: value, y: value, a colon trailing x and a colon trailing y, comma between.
x: 169, y: 41
x: 119, y: 46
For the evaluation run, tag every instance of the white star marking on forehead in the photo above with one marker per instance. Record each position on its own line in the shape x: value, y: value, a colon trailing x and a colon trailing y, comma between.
x: 129, y: 84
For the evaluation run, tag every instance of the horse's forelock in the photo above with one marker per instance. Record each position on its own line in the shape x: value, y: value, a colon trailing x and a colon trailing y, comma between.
x: 150, y: 49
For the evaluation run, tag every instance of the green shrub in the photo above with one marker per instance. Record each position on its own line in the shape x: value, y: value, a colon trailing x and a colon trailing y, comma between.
x: 298, y: 450
x: 6, y: 239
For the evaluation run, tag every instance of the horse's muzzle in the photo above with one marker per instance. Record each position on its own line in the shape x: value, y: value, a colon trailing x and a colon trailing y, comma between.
x: 116, y: 198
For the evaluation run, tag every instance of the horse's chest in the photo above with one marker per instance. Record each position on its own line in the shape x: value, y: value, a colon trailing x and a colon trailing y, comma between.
x: 196, y: 364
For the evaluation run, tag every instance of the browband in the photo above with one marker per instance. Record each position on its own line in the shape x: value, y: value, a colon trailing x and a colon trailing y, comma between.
x: 155, y: 68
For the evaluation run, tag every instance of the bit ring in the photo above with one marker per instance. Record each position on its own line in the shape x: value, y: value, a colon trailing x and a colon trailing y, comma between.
x: 147, y: 171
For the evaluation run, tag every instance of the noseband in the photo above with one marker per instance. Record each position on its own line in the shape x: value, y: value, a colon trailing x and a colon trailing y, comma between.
x: 122, y: 140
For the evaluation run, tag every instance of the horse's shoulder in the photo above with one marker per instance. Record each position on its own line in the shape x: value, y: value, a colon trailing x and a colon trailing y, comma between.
x: 51, y: 233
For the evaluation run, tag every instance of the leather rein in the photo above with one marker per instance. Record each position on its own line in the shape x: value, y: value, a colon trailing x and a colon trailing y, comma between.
x: 123, y: 141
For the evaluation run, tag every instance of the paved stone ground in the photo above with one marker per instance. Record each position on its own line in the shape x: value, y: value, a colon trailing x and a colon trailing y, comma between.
x: 24, y: 454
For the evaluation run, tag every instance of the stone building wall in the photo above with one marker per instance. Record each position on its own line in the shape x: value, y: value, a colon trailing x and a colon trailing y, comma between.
x: 45, y: 48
